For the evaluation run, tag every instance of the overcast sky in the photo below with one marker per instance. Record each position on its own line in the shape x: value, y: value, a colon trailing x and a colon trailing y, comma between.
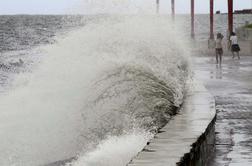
x: 94, y: 6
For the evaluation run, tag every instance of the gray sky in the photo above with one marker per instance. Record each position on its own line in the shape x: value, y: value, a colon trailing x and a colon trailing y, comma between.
x: 80, y: 6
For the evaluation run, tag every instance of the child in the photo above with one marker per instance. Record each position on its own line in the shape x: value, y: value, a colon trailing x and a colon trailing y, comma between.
x: 218, y: 48
x: 234, y: 45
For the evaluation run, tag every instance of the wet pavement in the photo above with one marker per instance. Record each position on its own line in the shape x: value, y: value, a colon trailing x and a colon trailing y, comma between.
x: 231, y: 85
x: 188, y: 134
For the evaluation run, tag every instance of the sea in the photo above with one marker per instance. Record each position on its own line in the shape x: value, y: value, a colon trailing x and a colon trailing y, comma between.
x: 92, y: 90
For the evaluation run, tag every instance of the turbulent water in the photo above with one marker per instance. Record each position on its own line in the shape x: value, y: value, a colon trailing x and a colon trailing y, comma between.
x: 87, y: 88
x: 91, y: 90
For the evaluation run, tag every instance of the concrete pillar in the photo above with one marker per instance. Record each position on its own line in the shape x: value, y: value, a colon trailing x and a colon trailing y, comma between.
x: 157, y: 9
x: 211, y: 19
x: 173, y: 8
x: 192, y: 19
x: 230, y: 16
x: 211, y: 43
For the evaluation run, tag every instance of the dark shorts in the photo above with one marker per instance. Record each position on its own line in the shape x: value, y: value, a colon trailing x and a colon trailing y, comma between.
x: 235, y: 48
x: 219, y: 51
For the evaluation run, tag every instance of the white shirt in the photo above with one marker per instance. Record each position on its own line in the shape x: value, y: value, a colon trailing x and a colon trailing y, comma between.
x: 234, y: 40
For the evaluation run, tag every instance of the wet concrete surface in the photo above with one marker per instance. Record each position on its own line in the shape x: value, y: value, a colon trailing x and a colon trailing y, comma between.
x: 231, y: 85
x: 187, y: 137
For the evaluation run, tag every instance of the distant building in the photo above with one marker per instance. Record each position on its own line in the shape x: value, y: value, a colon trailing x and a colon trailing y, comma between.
x: 218, y: 12
x: 244, y: 11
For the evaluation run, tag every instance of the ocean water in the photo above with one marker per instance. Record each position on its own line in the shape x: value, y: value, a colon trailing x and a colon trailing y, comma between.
x: 87, y: 87
x: 90, y: 90
x: 22, y: 35
x: 202, y: 30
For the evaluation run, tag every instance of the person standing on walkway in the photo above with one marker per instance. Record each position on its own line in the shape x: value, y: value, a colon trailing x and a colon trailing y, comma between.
x: 235, y: 48
x: 218, y: 48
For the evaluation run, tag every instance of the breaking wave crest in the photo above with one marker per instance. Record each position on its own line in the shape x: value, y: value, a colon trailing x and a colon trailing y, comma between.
x: 99, y: 94
x: 134, y: 96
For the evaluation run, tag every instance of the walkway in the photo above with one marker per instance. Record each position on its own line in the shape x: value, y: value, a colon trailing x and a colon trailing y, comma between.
x: 231, y: 85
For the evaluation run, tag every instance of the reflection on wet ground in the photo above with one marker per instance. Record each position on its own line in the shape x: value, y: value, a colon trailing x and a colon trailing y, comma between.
x: 231, y: 84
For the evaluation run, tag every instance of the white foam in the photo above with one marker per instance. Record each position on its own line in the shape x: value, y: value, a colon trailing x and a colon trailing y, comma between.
x: 45, y: 117
x: 117, y: 150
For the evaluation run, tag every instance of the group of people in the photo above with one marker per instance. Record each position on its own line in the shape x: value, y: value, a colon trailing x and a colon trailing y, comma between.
x: 235, y: 48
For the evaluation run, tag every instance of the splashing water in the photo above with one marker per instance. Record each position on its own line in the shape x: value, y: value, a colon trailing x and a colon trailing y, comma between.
x: 98, y: 94
x: 114, y: 150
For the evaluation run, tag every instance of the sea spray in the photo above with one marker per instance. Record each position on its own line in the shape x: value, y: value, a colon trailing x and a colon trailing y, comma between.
x: 115, y: 150
x: 98, y: 84
x: 114, y: 7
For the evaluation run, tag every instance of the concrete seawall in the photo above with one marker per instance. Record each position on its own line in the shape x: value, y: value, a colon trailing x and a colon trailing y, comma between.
x: 188, y: 139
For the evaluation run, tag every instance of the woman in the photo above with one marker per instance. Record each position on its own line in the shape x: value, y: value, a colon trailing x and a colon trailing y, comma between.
x: 218, y: 48
x: 234, y: 45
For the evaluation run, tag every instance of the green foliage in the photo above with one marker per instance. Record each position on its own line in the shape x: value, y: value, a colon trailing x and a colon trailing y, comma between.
x: 249, y: 26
